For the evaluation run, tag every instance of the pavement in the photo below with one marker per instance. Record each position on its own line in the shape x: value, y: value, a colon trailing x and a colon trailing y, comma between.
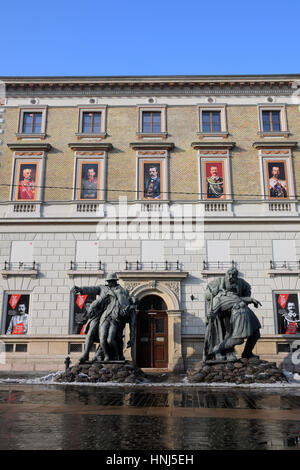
x: 164, y: 416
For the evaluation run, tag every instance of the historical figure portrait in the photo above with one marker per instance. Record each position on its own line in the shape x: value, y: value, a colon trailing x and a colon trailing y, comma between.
x: 277, y: 179
x: 89, y: 177
x: 26, y: 181
x: 287, y: 312
x: 214, y: 180
x: 82, y: 305
x: 17, y: 314
x: 151, y: 186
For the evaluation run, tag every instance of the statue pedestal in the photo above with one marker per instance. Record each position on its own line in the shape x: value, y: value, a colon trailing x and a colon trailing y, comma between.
x: 242, y: 371
x: 103, y: 371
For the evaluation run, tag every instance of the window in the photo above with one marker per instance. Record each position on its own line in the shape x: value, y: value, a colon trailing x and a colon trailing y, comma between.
x: 21, y: 255
x: 86, y: 251
x: 217, y: 254
x: 283, y: 254
x: 92, y: 121
x: 32, y: 121
x: 151, y: 121
x: 211, y: 121
x: 271, y: 121
x: 152, y: 250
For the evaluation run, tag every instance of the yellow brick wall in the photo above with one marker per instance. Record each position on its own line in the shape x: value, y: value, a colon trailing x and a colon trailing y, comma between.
x: 182, y: 127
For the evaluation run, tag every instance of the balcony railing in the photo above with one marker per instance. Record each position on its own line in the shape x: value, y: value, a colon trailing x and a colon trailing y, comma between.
x: 291, y: 265
x: 20, y: 266
x: 152, y: 266
x: 221, y: 265
x: 85, y: 266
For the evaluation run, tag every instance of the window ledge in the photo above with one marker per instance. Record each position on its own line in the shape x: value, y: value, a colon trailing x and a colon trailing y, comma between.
x: 283, y: 272
x: 274, y: 134
x: 213, y: 272
x: 221, y: 134
x: 22, y: 135
x: 98, y: 135
x: 24, y: 273
x: 150, y: 135
x: 84, y: 272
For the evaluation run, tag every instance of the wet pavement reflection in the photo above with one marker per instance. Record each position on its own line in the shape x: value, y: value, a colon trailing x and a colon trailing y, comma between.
x: 59, y: 417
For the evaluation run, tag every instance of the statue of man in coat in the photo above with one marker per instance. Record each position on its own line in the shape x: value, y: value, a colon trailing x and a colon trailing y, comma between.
x: 229, y: 319
x: 108, y: 315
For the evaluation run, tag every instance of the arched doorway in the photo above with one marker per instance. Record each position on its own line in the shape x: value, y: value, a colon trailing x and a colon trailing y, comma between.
x: 152, y: 333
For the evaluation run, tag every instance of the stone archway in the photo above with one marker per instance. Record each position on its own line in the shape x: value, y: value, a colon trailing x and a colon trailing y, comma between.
x: 169, y: 292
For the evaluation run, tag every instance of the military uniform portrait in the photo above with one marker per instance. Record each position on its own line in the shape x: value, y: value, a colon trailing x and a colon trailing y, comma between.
x: 89, y: 180
x: 277, y: 179
x: 214, y: 186
x: 26, y: 182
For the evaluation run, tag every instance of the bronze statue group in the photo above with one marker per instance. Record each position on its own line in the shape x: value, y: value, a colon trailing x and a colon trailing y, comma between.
x: 229, y: 320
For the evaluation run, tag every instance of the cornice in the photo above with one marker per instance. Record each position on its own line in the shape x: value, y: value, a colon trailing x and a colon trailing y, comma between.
x: 104, y: 146
x: 152, y: 145
x: 45, y: 147
x: 144, y: 85
x: 213, y: 145
x: 275, y: 144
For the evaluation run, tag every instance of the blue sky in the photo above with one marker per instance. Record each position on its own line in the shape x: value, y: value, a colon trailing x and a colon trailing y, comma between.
x: 158, y: 37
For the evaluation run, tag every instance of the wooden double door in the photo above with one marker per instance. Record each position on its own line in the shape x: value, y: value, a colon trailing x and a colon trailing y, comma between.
x: 152, y: 339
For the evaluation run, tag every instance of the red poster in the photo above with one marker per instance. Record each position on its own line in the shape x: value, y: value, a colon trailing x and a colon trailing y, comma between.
x: 282, y: 299
x: 82, y: 330
x: 80, y: 300
x: 18, y: 329
x: 14, y: 299
x: 291, y: 329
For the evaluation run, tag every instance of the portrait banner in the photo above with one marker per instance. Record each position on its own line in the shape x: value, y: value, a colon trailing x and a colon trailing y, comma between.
x: 277, y: 179
x: 214, y: 180
x: 89, y: 180
x: 17, y: 309
x: 151, y: 180
x: 82, y: 304
x: 26, y: 181
x: 287, y: 313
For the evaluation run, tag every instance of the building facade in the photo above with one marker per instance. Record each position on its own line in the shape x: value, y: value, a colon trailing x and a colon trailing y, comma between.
x: 167, y: 181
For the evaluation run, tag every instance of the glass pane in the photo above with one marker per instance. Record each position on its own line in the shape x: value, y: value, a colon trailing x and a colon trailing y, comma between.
x: 146, y: 126
x: 159, y: 325
x: 216, y: 121
x: 266, y: 121
x: 156, y: 119
x: 97, y: 122
x: 206, y: 121
x: 37, y: 122
x: 86, y: 122
x: 27, y: 122
x: 276, y: 120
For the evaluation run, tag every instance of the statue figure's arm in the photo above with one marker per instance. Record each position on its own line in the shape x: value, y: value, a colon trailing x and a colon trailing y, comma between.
x: 89, y: 290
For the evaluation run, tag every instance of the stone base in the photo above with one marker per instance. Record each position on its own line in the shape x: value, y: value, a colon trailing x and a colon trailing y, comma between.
x: 112, y: 371
x: 243, y: 371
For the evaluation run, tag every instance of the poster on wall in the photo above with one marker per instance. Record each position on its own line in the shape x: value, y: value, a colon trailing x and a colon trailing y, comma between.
x: 151, y: 180
x: 26, y: 184
x: 277, y: 179
x: 17, y: 309
x: 82, y: 304
x: 287, y: 312
x: 214, y: 178
x: 89, y: 180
